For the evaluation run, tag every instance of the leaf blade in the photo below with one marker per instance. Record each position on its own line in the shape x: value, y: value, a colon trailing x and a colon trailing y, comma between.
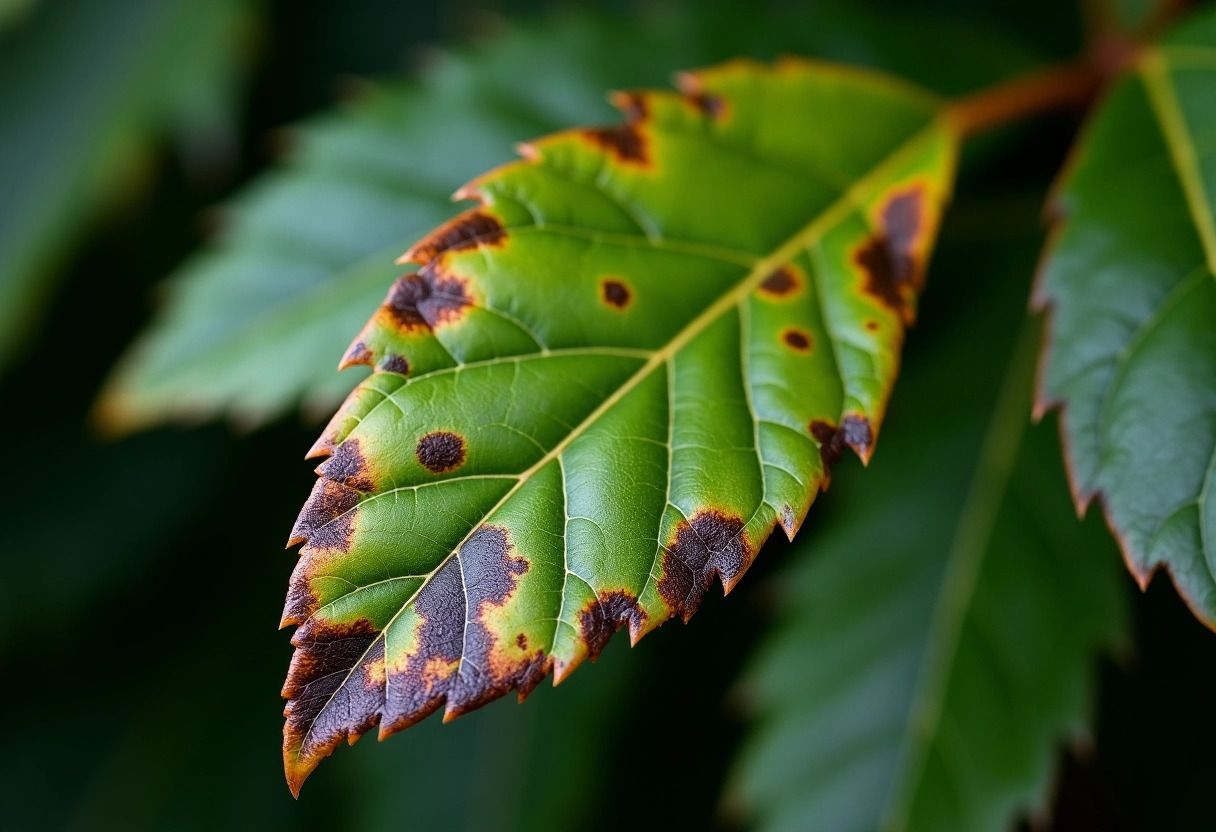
x: 632, y: 555
x: 1129, y: 354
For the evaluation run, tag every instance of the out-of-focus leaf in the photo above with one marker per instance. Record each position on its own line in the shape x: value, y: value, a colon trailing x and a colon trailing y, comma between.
x: 252, y: 325
x: 1130, y: 352
x: 938, y: 630
x: 606, y: 385
x: 83, y: 87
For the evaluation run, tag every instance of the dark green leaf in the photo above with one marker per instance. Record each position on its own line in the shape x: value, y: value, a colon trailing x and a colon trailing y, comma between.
x: 1130, y: 352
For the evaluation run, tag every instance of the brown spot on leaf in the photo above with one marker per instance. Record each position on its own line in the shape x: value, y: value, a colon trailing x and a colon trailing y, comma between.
x: 781, y: 283
x: 440, y: 451
x: 601, y: 617
x: 424, y: 301
x: 624, y: 141
x: 854, y: 432
x: 788, y: 520
x: 327, y: 520
x: 708, y: 103
x: 471, y: 229
x: 616, y: 292
x: 394, y: 363
x: 348, y: 466
x: 871, y: 325
x: 797, y: 339
x: 521, y: 641
x: 327, y: 702
x: 711, y: 543
x: 889, y: 257
x: 357, y: 353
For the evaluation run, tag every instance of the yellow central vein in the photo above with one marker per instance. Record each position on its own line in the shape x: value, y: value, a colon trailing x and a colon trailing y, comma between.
x: 849, y: 201
x: 1154, y: 71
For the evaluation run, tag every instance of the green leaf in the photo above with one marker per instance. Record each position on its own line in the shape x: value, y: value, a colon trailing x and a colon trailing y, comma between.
x: 83, y: 89
x: 939, y: 624
x: 606, y: 385
x: 1130, y: 353
x: 310, y: 247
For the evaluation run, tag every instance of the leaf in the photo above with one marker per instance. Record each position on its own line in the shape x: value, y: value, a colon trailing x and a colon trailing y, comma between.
x: 606, y: 385
x: 309, y: 248
x: 1130, y: 352
x: 82, y: 90
x: 938, y: 626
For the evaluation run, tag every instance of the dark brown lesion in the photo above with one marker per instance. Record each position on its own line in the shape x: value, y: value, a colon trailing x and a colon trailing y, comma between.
x: 799, y: 340
x: 888, y: 258
x: 711, y: 543
x: 709, y: 104
x: 327, y: 520
x: 781, y: 284
x: 328, y: 701
x: 348, y: 465
x: 440, y: 451
x: 616, y: 292
x: 472, y: 229
x: 854, y: 432
x: 426, y: 300
x: 601, y: 617
x: 626, y: 142
x: 393, y: 363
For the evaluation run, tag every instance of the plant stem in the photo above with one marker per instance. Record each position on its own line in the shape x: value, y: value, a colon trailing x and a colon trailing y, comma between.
x: 1072, y: 85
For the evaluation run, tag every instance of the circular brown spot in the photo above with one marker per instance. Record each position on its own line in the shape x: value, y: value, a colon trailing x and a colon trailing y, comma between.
x: 440, y: 451
x: 781, y: 283
x: 871, y: 325
x: 797, y: 340
x: 616, y: 293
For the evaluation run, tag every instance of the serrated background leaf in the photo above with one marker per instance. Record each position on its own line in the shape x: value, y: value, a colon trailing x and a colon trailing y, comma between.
x: 310, y: 246
x: 940, y: 626
x: 1130, y: 352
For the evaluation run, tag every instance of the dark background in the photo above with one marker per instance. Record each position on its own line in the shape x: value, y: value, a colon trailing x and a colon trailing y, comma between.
x: 142, y: 578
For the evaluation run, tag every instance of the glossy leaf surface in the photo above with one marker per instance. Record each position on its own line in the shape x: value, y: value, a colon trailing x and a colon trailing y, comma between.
x: 307, y: 250
x: 940, y: 623
x: 1131, y: 347
x: 606, y: 385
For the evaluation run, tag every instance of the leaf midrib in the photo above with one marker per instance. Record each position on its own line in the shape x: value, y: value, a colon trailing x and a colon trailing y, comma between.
x: 849, y: 201
x: 1154, y: 72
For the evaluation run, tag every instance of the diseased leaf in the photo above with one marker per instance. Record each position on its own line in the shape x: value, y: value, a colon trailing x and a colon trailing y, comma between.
x: 82, y: 88
x: 939, y: 624
x: 309, y: 249
x: 606, y: 385
x: 1130, y: 352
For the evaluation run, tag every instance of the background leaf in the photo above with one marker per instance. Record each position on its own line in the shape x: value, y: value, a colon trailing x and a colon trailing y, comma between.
x: 80, y: 109
x: 309, y: 248
x: 1130, y: 352
x: 940, y: 625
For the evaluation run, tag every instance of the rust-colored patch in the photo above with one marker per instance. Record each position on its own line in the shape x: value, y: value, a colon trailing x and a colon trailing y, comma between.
x: 709, y: 104
x: 357, y: 353
x: 327, y: 703
x: 633, y: 106
x: 426, y: 300
x: 797, y: 339
x: 471, y: 229
x: 871, y: 325
x: 440, y: 451
x: 616, y: 292
x: 601, y: 617
x: 711, y: 543
x: 854, y: 432
x: 394, y: 363
x: 521, y: 641
x: 624, y: 141
x: 460, y: 660
x: 347, y: 465
x: 327, y: 520
x: 889, y: 258
x: 781, y: 283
